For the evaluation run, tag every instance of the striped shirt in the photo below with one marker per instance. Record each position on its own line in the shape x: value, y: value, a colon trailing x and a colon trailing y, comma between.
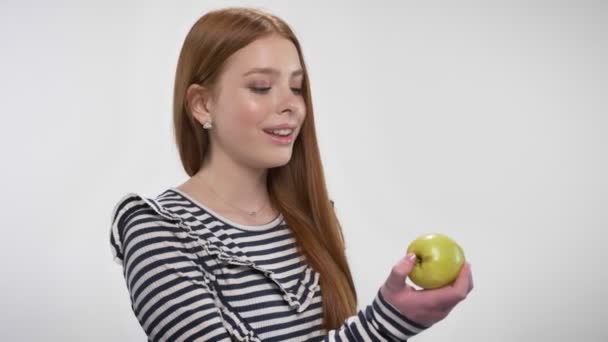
x: 193, y: 275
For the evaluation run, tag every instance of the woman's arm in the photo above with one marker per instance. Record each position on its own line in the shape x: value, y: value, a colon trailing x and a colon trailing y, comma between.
x: 169, y: 294
x: 379, y: 321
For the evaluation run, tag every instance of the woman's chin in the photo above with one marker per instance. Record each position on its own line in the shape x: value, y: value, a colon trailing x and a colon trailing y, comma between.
x: 278, y: 160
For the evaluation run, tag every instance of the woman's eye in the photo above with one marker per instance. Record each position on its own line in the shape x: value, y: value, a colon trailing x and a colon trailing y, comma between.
x: 264, y: 90
x: 260, y: 90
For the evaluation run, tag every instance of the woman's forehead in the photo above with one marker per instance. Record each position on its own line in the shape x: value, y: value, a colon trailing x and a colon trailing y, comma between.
x: 273, y: 56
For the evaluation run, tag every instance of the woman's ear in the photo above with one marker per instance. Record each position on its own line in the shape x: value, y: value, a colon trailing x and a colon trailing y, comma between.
x: 199, y: 102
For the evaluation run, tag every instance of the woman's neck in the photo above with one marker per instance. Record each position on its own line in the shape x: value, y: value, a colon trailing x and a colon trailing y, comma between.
x: 240, y: 186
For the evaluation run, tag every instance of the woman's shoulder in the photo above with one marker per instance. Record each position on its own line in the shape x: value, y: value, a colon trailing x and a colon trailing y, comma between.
x: 134, y: 212
x: 133, y: 204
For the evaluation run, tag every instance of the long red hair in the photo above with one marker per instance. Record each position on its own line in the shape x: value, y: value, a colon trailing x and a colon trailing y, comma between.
x: 297, y: 189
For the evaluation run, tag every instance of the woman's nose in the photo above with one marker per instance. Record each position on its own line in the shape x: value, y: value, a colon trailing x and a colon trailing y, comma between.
x: 289, y: 102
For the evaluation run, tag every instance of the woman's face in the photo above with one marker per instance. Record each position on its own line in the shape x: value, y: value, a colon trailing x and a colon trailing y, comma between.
x: 259, y: 89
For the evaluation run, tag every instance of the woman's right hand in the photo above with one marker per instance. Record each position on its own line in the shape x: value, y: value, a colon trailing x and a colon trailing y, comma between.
x: 425, y: 307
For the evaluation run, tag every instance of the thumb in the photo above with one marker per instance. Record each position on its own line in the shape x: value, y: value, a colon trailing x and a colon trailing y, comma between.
x: 400, y: 271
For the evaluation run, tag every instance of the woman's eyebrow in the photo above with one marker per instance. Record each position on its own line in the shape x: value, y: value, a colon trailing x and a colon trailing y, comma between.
x: 272, y: 71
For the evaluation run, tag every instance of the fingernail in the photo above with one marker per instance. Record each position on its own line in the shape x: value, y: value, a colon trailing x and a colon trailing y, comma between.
x: 411, y: 256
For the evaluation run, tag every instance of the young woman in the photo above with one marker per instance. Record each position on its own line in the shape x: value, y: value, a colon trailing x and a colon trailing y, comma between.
x: 249, y: 247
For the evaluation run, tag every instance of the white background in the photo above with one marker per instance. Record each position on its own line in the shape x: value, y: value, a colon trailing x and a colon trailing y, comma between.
x: 487, y: 122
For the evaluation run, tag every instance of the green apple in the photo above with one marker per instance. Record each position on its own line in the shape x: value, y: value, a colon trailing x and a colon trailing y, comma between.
x: 438, y: 261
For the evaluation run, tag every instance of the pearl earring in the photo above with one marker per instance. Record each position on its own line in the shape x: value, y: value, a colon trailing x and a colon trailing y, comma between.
x: 207, y: 125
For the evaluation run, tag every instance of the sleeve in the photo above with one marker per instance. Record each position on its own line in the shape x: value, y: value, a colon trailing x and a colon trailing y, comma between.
x: 379, y: 321
x: 169, y: 294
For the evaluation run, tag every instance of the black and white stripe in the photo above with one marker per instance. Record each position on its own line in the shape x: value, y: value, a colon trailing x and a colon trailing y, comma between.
x: 193, y: 275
